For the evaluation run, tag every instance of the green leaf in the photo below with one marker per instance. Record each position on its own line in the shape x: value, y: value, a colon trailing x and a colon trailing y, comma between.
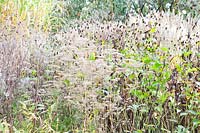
x: 92, y: 56
x: 187, y: 53
x: 131, y: 76
x: 156, y: 65
x: 1, y: 127
x: 173, y: 120
x: 103, y: 42
x: 196, y: 122
x: 163, y: 97
x: 165, y: 130
x: 40, y: 106
x: 139, y: 94
x: 138, y: 131
x: 34, y: 73
x: 134, y: 106
x: 146, y: 60
x: 66, y: 82
x: 181, y: 129
x: 153, y: 30
x: 164, y: 49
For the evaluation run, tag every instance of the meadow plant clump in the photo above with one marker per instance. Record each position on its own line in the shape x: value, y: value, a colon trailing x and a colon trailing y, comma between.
x: 21, y: 55
x: 33, y: 13
x: 65, y: 12
x: 141, y: 75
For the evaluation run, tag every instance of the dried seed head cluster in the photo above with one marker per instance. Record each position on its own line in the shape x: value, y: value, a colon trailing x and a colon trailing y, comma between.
x: 89, y: 59
x: 96, y: 65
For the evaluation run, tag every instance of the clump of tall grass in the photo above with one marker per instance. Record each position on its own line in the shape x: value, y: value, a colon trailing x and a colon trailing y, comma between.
x: 33, y: 13
x: 21, y: 56
x: 136, y: 76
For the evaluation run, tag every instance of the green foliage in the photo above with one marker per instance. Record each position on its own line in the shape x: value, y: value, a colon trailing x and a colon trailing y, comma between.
x: 65, y: 11
x: 92, y: 56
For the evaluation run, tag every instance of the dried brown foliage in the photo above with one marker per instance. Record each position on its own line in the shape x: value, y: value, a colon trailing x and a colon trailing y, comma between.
x: 90, y: 68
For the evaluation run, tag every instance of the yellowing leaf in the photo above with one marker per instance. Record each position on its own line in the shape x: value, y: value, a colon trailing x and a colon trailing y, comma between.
x: 198, y: 43
x: 103, y: 42
x: 153, y: 30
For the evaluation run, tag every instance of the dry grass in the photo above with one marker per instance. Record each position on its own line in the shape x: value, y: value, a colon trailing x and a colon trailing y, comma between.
x: 89, y: 68
x: 141, y: 75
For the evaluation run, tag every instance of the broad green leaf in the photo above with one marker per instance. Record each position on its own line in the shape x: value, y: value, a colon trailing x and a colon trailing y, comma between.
x: 192, y: 112
x: 183, y: 114
x: 192, y: 70
x: 156, y: 66
x: 146, y: 60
